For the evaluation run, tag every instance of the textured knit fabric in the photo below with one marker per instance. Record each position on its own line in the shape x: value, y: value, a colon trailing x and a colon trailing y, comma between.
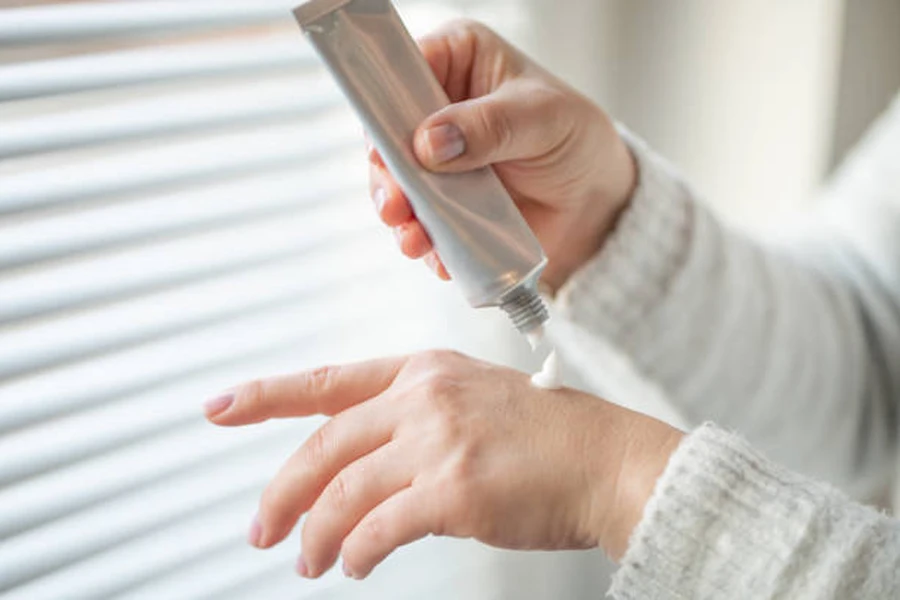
x: 793, y: 342
x: 726, y: 523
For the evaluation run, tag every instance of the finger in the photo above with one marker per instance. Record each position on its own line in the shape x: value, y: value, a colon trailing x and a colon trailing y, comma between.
x: 390, y: 202
x: 466, y: 58
x: 435, y: 264
x: 451, y: 51
x: 374, y: 156
x: 338, y: 443
x: 326, y: 391
x: 352, y: 494
x: 371, y: 151
x: 413, y: 240
x: 520, y: 120
x: 405, y: 517
x: 442, y: 271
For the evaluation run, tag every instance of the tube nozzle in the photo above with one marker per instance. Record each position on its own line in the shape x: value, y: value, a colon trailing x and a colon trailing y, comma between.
x: 525, y: 308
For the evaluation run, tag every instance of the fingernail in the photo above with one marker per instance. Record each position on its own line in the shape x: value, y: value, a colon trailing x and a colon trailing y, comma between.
x: 218, y: 405
x: 302, y: 569
x: 380, y: 197
x: 254, y: 536
x: 348, y: 573
x: 446, y: 142
x: 432, y: 262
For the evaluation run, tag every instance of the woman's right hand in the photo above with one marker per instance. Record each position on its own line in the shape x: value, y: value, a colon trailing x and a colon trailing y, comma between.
x: 556, y: 152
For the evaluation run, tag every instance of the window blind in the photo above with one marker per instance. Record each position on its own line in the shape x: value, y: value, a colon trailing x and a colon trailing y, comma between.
x: 182, y: 206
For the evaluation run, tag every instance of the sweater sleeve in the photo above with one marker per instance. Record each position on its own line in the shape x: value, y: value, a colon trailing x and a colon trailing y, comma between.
x: 724, y: 522
x: 794, y: 342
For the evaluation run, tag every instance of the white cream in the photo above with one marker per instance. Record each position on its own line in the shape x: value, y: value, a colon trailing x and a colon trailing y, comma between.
x: 550, y: 377
x: 536, y: 338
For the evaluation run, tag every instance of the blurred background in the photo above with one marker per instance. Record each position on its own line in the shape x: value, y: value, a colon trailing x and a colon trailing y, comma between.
x: 183, y: 205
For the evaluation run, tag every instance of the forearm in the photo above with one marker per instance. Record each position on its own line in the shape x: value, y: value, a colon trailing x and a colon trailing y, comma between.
x: 773, y: 343
x: 724, y: 522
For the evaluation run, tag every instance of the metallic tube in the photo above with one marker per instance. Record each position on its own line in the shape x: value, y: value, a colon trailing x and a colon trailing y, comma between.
x: 478, y: 232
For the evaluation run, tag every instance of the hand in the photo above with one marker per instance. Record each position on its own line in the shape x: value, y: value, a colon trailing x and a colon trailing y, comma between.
x: 556, y: 152
x: 438, y: 443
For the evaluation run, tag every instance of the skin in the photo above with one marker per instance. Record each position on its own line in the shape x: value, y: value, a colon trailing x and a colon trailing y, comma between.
x: 441, y: 444
x: 556, y: 152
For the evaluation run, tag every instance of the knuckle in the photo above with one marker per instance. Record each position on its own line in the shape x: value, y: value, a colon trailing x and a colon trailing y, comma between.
x: 446, y: 428
x: 315, y: 449
x: 440, y: 384
x: 441, y: 360
x: 321, y: 379
x: 338, y: 492
x: 471, y: 27
x: 439, y: 387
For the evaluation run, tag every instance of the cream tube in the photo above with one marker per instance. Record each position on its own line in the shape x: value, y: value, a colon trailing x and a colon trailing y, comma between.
x: 476, y: 228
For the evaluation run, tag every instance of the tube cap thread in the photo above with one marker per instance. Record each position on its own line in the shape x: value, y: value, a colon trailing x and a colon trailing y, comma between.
x: 526, y: 309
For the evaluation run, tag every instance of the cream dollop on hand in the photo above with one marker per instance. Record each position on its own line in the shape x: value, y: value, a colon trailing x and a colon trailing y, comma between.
x: 550, y: 377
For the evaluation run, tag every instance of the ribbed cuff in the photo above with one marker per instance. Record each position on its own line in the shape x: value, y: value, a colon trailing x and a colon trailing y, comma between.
x: 631, y: 273
x: 723, y: 522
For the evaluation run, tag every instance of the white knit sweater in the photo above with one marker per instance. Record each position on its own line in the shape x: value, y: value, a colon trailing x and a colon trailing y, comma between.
x: 796, y: 345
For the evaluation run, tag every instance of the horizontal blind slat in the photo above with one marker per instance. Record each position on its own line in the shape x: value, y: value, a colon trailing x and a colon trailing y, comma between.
x: 166, y: 115
x: 219, y: 574
x: 67, y: 23
x: 27, y: 240
x: 92, y: 175
x: 200, y: 540
x: 120, y: 520
x: 39, y: 79
x: 91, y: 382
x: 147, y: 268
x: 123, y: 520
x: 181, y: 450
x: 43, y: 448
x: 109, y: 328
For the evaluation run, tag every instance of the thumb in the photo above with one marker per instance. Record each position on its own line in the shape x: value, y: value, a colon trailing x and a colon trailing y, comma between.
x: 509, y: 124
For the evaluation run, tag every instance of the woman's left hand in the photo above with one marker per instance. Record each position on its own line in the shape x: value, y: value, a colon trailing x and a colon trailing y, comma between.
x: 439, y: 443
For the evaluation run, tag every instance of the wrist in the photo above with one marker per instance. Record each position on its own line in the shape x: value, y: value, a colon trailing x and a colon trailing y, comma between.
x: 646, y: 446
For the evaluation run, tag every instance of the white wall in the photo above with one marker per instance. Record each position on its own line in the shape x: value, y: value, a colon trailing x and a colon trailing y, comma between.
x: 870, y: 69
x: 739, y: 94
